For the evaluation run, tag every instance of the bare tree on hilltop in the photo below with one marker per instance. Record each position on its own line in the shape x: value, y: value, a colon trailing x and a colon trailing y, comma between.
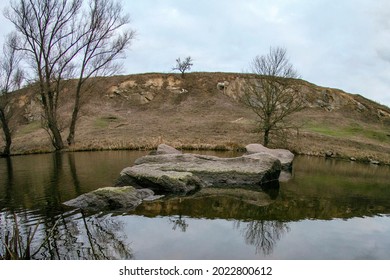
x: 184, y: 65
x: 273, y: 93
x: 68, y: 39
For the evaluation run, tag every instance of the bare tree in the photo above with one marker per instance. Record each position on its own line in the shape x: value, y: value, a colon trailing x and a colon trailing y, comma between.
x: 273, y: 94
x: 263, y: 234
x: 61, y: 41
x: 184, y: 65
x: 50, y: 35
x: 102, y: 44
x: 179, y: 222
x: 11, y: 77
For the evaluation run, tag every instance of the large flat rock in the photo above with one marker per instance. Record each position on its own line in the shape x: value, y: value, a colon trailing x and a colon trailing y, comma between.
x: 285, y: 156
x: 111, y: 198
x: 183, y: 173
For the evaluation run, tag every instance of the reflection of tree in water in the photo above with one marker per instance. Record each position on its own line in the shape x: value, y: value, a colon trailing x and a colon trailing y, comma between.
x: 263, y: 234
x: 92, y: 238
x: 105, y: 239
x: 71, y: 236
x: 178, y: 222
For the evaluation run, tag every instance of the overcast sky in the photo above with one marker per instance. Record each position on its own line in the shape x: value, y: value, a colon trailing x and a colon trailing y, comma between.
x: 342, y: 44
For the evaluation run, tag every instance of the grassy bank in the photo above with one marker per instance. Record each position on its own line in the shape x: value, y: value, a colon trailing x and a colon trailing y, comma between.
x: 138, y: 112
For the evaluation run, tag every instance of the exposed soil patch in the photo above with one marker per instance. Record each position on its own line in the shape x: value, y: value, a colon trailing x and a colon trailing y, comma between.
x: 142, y: 111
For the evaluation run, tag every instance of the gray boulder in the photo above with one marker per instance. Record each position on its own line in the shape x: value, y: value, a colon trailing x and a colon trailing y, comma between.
x: 183, y: 173
x: 164, y: 149
x: 285, y: 156
x: 111, y: 198
x: 159, y: 177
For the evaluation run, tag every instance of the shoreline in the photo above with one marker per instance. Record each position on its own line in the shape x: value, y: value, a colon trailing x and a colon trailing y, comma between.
x: 201, y: 147
x: 138, y: 112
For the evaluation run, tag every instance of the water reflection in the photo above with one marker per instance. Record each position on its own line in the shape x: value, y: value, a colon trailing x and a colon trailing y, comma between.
x: 73, y: 172
x: 9, y: 181
x: 227, y: 204
x: 66, y: 236
x: 33, y: 188
x: 263, y: 235
x: 178, y: 223
x: 47, y: 180
x: 271, y: 188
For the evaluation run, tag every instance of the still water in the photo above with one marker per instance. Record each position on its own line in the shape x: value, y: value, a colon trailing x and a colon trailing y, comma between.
x: 328, y: 209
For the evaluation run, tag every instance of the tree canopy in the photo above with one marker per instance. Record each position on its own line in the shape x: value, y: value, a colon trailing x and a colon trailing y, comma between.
x: 273, y: 94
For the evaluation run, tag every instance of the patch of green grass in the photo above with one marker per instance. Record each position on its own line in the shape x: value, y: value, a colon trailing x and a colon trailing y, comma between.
x: 104, y: 122
x: 29, y: 128
x: 351, y: 130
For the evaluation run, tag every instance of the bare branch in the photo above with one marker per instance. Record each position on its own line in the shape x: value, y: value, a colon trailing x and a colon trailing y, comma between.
x: 184, y: 65
x: 273, y: 94
x: 65, y: 39
x: 11, y: 78
x: 105, y: 40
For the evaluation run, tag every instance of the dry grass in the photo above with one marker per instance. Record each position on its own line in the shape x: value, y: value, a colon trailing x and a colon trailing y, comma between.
x: 192, y: 113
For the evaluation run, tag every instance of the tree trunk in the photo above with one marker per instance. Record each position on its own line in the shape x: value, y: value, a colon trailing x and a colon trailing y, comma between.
x: 57, y: 139
x: 72, y: 128
x: 76, y: 109
x: 57, y: 142
x: 266, y: 137
x: 49, y: 106
x: 7, y: 134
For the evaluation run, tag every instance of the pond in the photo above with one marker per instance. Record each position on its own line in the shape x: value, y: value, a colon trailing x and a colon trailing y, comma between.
x: 328, y: 209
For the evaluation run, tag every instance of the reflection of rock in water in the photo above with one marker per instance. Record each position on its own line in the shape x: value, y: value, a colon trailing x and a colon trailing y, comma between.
x: 272, y: 189
x: 285, y: 176
x: 263, y: 235
x: 234, y: 203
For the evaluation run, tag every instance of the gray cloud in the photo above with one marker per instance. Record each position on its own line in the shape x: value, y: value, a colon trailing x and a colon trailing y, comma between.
x: 343, y: 44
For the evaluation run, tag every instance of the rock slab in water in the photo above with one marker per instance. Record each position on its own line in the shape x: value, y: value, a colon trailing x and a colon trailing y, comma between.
x: 285, y: 156
x: 164, y: 149
x: 182, y: 173
x: 111, y: 198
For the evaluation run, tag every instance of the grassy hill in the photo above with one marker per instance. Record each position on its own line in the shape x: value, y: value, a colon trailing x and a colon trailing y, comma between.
x: 140, y: 111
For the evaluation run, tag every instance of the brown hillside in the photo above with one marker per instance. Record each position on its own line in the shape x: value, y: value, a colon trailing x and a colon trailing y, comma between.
x: 141, y: 111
